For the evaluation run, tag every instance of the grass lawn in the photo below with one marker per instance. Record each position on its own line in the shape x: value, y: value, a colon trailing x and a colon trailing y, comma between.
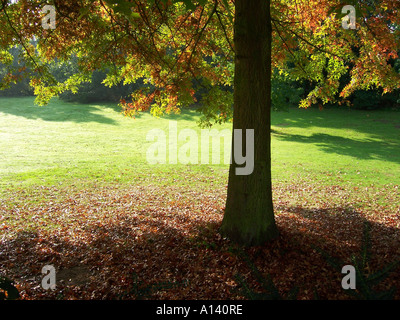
x: 73, y: 143
x: 77, y: 191
x: 67, y: 142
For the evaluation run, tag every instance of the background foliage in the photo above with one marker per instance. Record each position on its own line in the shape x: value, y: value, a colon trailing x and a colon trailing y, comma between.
x: 286, y: 92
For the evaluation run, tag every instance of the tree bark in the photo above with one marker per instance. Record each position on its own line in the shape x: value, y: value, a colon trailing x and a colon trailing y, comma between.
x: 249, y: 215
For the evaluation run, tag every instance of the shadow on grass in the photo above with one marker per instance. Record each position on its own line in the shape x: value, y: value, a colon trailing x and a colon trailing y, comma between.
x: 381, y: 127
x: 76, y: 112
x: 366, y: 149
x: 58, y: 111
x: 375, y: 122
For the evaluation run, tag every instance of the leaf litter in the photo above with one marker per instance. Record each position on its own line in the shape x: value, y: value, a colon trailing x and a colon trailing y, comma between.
x: 152, y: 242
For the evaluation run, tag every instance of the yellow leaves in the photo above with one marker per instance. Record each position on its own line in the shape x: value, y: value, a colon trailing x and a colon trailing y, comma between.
x: 304, y: 103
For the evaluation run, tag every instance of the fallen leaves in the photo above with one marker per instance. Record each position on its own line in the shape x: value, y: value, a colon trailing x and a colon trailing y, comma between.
x: 99, y: 238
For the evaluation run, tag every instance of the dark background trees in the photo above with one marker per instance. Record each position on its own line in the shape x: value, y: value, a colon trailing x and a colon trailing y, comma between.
x: 286, y: 92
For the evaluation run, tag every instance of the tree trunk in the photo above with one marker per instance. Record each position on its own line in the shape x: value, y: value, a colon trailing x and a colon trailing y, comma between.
x: 249, y: 215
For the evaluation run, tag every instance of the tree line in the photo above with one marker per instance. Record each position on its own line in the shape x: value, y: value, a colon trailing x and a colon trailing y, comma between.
x: 286, y: 92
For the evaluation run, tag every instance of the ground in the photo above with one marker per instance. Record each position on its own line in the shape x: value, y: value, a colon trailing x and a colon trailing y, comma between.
x: 77, y: 193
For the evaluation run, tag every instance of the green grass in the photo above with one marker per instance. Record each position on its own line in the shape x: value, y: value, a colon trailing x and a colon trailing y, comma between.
x: 75, y: 185
x: 337, y: 146
x: 81, y: 145
x: 74, y: 143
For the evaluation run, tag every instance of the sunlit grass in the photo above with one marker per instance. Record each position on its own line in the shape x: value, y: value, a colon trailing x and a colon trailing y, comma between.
x: 76, y: 190
x: 82, y: 145
x: 337, y: 146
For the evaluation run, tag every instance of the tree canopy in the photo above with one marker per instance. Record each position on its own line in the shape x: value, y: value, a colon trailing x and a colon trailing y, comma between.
x: 178, y: 46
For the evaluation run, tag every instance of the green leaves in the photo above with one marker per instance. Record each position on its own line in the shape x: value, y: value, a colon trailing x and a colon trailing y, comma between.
x: 190, y: 5
x: 123, y: 7
x: 6, y: 57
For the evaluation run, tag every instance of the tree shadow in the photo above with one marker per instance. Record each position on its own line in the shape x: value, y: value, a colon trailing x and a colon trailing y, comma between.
x: 340, y: 231
x: 378, y: 124
x: 313, y: 247
x: 100, y: 265
x: 197, y: 261
x: 366, y: 149
x: 57, y: 111
x: 189, y: 113
x: 367, y: 121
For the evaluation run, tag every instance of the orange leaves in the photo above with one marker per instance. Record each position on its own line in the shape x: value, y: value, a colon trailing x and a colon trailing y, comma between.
x: 306, y: 33
x: 171, y: 235
x: 141, y: 102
